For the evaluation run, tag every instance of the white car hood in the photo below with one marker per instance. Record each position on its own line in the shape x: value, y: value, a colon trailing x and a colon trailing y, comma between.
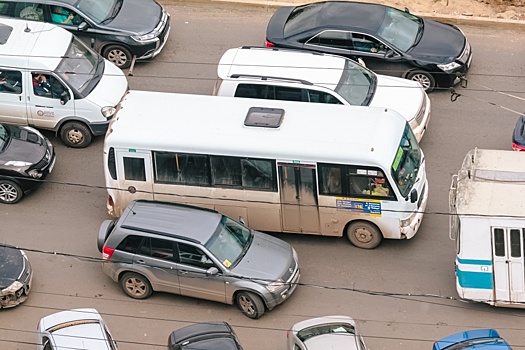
x: 111, y: 87
x: 402, y: 95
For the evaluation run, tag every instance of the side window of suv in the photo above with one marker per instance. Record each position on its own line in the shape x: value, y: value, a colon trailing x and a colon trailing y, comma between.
x: 322, y: 97
x: 159, y: 248
x: 130, y: 244
x: 266, y: 92
x: 193, y: 256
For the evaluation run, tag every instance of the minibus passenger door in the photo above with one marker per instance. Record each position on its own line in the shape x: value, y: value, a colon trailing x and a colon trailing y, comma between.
x: 300, y: 211
x: 12, y: 98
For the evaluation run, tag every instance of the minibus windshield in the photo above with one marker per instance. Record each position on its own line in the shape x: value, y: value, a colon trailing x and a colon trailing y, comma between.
x: 406, y: 162
x: 357, y: 84
x: 229, y: 242
x: 81, y: 68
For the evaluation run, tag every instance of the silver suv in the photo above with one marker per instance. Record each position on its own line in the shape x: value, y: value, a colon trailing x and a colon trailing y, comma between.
x: 197, y: 252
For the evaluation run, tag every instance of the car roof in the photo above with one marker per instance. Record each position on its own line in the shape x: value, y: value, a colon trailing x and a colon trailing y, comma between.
x: 473, y: 339
x: 76, y: 329
x: 179, y: 220
x: 205, y: 335
x: 332, y: 14
x: 315, y: 68
x: 31, y: 44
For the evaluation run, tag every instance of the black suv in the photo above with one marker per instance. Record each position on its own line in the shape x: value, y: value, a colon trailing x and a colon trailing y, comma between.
x: 117, y: 29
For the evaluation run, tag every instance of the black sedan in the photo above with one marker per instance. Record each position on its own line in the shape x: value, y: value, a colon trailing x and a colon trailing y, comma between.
x: 117, y: 29
x: 15, y: 276
x: 204, y: 336
x: 26, y: 158
x: 388, y: 40
x: 518, y: 136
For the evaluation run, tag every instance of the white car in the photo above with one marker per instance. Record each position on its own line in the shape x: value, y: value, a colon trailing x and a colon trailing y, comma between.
x: 328, y: 332
x: 294, y: 75
x: 74, y: 329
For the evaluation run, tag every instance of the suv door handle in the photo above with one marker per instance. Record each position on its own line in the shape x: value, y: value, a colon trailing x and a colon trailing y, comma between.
x: 141, y: 261
x: 183, y: 272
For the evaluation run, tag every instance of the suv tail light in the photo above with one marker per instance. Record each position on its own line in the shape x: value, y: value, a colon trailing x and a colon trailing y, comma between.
x: 268, y: 43
x: 107, y: 252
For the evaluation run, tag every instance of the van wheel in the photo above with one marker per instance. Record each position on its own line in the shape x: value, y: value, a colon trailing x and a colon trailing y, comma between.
x: 363, y: 235
x: 250, y: 304
x: 135, y: 285
x: 10, y: 192
x: 424, y: 78
x: 118, y: 55
x: 75, y: 134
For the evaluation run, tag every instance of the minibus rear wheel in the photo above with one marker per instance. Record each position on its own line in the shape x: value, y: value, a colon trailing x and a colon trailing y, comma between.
x: 75, y: 134
x: 363, y: 234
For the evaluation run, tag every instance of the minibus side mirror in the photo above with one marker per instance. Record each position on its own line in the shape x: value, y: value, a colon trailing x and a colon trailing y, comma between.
x: 82, y: 26
x: 241, y: 220
x: 64, y: 97
x: 413, y: 196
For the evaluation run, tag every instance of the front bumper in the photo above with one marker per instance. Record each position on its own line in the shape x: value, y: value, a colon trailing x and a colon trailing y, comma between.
x: 21, y: 295
x: 279, y: 297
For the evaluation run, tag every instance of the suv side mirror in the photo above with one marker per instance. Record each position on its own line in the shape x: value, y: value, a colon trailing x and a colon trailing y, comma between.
x: 64, y: 97
x: 212, y: 271
x: 413, y: 196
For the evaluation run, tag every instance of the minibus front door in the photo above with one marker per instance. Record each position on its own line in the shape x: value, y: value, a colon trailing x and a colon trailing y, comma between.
x: 508, y: 258
x: 300, y: 211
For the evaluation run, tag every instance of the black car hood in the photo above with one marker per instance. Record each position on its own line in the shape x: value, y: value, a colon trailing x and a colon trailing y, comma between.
x: 11, y: 266
x: 137, y: 17
x: 441, y: 43
x: 24, y: 145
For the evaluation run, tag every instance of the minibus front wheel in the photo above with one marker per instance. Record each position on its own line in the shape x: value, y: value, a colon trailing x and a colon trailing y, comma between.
x: 363, y: 234
x: 75, y: 134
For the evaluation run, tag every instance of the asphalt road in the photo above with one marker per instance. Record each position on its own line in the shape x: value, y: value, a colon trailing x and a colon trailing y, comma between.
x: 64, y: 215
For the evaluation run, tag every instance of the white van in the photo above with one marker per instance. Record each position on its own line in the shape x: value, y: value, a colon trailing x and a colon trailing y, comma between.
x: 51, y: 80
x: 293, y: 75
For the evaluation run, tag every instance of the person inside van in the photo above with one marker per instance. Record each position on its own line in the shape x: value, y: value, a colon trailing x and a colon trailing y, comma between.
x: 41, y: 85
x: 377, y: 188
x: 10, y: 82
x: 61, y: 16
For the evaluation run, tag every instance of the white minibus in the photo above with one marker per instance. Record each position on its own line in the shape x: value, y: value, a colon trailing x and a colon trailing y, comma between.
x: 487, y: 207
x: 50, y: 80
x: 278, y: 166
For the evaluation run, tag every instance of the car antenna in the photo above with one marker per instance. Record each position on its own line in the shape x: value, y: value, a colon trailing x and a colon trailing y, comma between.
x: 27, y: 29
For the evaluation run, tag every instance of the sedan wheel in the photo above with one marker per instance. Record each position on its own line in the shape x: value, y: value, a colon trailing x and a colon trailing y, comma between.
x: 10, y: 192
x: 250, y: 304
x: 424, y: 78
x: 135, y: 285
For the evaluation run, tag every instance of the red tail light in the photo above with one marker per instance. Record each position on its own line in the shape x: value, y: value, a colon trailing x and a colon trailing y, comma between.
x: 107, y: 252
x: 268, y: 43
x: 517, y: 147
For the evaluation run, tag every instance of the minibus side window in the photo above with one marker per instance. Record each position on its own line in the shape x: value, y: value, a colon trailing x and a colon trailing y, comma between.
x: 134, y: 169
x: 499, y: 242
x: 515, y: 243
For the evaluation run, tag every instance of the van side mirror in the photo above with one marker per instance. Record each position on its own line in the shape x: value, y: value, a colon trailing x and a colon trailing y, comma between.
x: 241, y: 220
x: 413, y: 196
x: 82, y: 26
x: 64, y: 97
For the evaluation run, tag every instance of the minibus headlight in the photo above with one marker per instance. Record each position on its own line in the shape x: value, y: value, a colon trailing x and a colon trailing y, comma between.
x: 406, y: 222
x: 108, y: 111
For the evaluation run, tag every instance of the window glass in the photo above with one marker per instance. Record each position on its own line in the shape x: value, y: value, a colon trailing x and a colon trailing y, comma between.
x: 288, y: 94
x: 62, y: 15
x: 29, y: 11
x: 332, y: 38
x: 365, y: 43
x: 4, y: 136
x: 99, y: 10
x: 134, y: 169
x: 46, y: 85
x: 499, y: 242
x: 357, y: 84
x: 10, y: 82
x: 112, y: 165
x: 229, y: 241
x: 181, y: 168
x: 130, y: 244
x: 515, y: 243
x: 259, y: 174
x: 162, y: 249
x: 46, y: 343
x: 406, y: 162
x: 400, y: 29
x: 330, y: 179
x: 191, y: 255
x: 226, y: 171
x: 266, y: 92
x: 322, y: 97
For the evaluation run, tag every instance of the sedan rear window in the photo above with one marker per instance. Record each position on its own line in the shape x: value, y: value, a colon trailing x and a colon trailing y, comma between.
x: 302, y: 18
x: 322, y: 329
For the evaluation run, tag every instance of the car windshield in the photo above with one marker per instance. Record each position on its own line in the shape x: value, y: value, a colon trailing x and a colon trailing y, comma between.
x: 322, y: 329
x: 406, y: 162
x: 98, y: 10
x: 400, y: 29
x: 302, y: 18
x: 79, y: 67
x: 230, y: 242
x: 4, y: 137
x: 357, y: 84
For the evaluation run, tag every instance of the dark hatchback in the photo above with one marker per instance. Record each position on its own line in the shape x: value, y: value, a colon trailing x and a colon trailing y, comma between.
x: 15, y: 276
x: 389, y: 41
x: 117, y: 29
x: 518, y: 136
x: 204, y: 336
x: 26, y: 158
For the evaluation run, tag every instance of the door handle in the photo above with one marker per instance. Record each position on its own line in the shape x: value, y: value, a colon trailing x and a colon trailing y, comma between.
x: 182, y: 272
x: 43, y: 106
x: 141, y: 261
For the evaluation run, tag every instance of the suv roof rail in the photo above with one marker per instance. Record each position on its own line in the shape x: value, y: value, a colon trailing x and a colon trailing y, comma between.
x: 160, y: 233
x: 180, y: 205
x: 265, y: 77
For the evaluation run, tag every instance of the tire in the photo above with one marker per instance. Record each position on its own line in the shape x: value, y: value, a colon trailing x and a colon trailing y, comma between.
x: 135, y: 286
x: 363, y: 235
x: 75, y: 134
x: 10, y: 192
x: 250, y: 304
x: 424, y: 78
x: 118, y: 55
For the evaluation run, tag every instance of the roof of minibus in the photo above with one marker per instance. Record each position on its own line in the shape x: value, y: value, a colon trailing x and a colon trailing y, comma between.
x: 309, y: 132
x: 321, y: 69
x: 496, y: 185
x: 32, y: 45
